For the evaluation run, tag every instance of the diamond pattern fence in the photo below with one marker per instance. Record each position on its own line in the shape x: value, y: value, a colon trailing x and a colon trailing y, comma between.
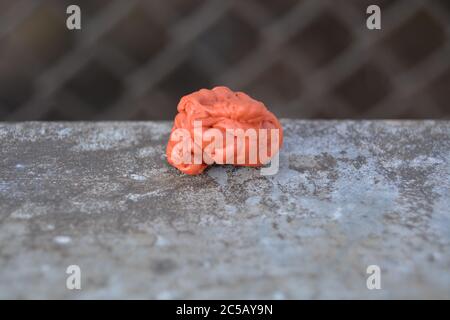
x: 303, y: 58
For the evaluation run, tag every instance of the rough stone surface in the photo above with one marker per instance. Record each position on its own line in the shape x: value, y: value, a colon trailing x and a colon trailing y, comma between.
x: 348, y: 195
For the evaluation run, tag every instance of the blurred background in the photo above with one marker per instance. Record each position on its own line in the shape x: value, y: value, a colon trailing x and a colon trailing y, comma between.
x: 133, y: 60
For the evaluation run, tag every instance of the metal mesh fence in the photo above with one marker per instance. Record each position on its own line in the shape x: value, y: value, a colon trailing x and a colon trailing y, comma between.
x: 310, y: 58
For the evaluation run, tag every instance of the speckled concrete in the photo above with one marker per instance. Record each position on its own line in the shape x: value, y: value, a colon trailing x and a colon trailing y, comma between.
x: 348, y: 195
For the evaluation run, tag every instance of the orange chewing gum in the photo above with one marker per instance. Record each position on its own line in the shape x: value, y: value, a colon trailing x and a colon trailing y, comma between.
x: 220, y: 126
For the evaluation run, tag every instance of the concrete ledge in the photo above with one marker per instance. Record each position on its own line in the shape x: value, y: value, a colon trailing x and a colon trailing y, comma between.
x: 349, y: 194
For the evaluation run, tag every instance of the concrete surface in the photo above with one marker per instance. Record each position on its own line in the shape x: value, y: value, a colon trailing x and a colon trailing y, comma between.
x: 348, y: 195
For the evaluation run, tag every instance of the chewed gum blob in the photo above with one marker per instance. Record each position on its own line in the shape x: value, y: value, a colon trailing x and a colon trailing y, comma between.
x: 223, y: 127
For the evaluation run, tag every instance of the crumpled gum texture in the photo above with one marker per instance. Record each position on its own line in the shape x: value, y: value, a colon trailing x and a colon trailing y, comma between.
x: 222, y: 109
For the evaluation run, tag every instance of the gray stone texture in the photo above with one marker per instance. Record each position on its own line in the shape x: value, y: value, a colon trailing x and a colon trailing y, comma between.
x: 348, y: 194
